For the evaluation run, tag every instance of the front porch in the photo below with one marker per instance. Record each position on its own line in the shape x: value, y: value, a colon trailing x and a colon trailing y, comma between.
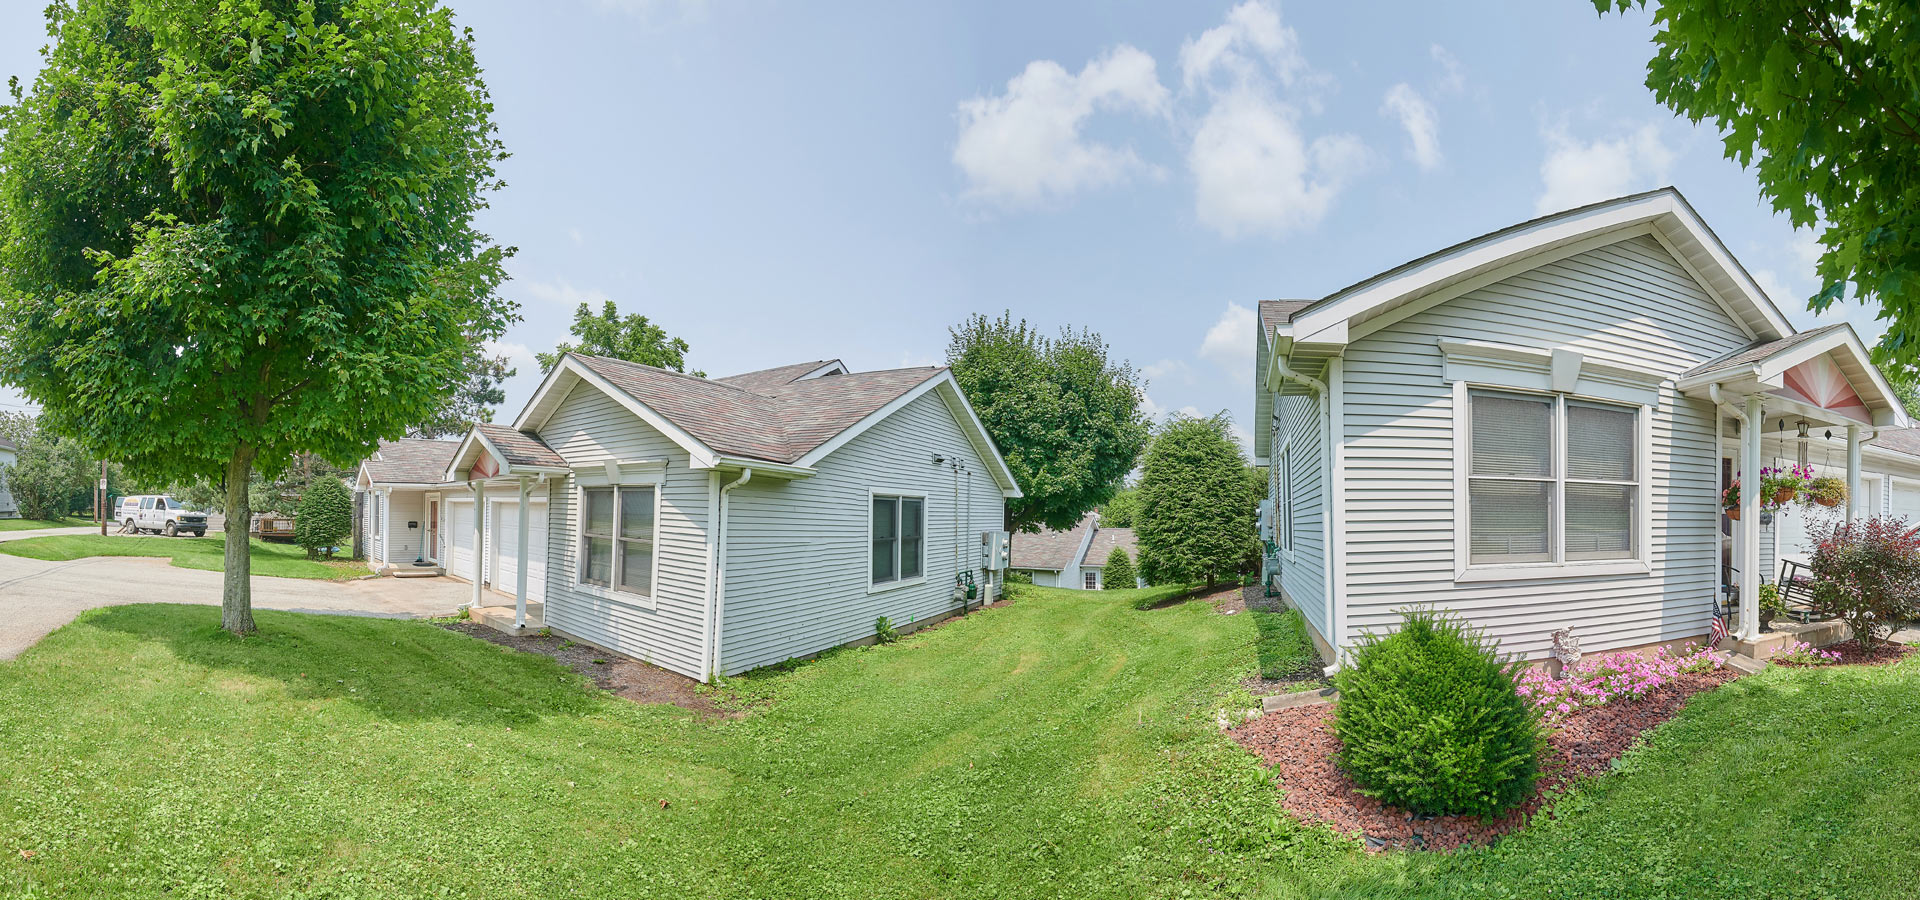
x: 503, y: 616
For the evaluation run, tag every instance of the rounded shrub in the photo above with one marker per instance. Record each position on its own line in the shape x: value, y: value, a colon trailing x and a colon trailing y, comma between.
x: 1429, y: 721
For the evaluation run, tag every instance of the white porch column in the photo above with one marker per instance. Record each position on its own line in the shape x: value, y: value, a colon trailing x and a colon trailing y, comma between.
x: 520, y: 571
x: 1750, y: 573
x: 479, y: 539
x: 1853, y: 473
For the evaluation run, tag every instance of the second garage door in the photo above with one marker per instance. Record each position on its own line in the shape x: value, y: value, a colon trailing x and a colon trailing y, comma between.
x: 1906, y: 500
x: 506, y: 548
x: 459, y: 537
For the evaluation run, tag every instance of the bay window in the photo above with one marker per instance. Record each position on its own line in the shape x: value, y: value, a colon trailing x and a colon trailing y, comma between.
x: 1551, y: 479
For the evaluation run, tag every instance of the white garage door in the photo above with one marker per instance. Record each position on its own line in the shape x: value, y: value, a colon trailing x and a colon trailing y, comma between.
x: 506, y: 548
x: 1906, y: 501
x: 460, y: 534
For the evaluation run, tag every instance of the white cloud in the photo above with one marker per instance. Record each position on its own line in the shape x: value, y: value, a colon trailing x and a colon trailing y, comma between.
x: 578, y: 236
x: 1229, y: 344
x: 1255, y: 172
x: 1027, y: 146
x: 1252, y: 34
x: 1167, y: 369
x: 1578, y: 172
x: 561, y: 292
x: 1422, y: 124
x: 1453, y: 75
x: 1254, y: 169
x: 515, y: 352
x: 1241, y: 436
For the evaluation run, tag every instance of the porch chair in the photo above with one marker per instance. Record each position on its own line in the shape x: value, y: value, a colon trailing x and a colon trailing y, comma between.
x: 1796, y: 589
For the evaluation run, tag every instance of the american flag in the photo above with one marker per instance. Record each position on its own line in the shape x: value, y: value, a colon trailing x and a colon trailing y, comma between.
x: 1719, y: 630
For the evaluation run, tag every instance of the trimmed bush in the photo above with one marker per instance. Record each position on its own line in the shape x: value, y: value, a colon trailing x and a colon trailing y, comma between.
x: 1118, y: 572
x: 325, y: 517
x: 1429, y: 721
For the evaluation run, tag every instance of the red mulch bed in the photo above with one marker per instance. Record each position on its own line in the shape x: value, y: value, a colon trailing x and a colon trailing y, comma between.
x: 1851, y: 654
x: 1299, y: 744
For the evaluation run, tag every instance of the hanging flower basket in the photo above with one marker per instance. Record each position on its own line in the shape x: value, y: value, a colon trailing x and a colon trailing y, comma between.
x: 1778, y: 487
x: 1827, y: 490
x: 1730, y: 500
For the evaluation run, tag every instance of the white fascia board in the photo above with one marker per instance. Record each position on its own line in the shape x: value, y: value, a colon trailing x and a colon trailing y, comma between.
x: 1480, y: 256
x: 833, y: 365
x: 1684, y: 214
x: 703, y: 457
x: 763, y: 467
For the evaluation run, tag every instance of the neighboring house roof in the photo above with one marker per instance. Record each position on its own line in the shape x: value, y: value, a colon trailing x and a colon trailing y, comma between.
x: 1104, y: 540
x: 409, y: 461
x: 790, y: 416
x: 784, y: 375
x: 520, y: 448
x: 1758, y: 351
x: 1899, y: 440
x: 1274, y: 313
x: 6, y: 444
x: 1050, y: 550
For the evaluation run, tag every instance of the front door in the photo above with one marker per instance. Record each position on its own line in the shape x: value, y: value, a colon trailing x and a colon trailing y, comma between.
x: 433, y: 530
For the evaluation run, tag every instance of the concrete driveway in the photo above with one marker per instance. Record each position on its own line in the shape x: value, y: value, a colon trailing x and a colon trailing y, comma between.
x: 37, y: 596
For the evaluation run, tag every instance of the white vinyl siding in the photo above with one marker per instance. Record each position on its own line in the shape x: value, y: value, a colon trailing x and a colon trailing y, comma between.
x: 402, y: 544
x: 1302, y: 427
x: 799, y: 558
x: 587, y: 429
x: 1628, y: 304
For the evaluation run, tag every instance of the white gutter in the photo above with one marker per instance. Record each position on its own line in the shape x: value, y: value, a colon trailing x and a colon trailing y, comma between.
x: 719, y: 580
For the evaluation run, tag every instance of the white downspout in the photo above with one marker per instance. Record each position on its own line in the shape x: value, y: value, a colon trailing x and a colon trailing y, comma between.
x: 720, y: 570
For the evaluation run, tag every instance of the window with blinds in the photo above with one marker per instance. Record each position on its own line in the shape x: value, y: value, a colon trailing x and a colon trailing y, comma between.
x: 1550, y: 479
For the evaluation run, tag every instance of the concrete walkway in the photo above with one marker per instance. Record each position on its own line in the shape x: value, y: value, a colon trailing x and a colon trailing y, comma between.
x: 38, y: 596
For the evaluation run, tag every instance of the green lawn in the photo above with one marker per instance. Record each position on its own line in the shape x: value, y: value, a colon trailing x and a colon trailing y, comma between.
x: 33, y: 524
x: 284, y: 560
x: 1285, y: 651
x: 1058, y: 746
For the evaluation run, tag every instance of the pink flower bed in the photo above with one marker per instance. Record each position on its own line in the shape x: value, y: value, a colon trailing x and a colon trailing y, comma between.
x: 1599, y: 680
x: 1801, y: 653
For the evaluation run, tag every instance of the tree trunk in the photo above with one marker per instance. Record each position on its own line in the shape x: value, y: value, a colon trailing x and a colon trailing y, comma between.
x: 236, y: 590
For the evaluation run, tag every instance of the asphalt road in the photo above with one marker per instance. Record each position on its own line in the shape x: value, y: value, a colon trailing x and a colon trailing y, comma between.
x: 38, y: 596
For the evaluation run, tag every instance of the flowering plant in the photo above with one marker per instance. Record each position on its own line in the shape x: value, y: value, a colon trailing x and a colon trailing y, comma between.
x: 1866, y: 574
x: 1599, y: 680
x: 1801, y: 653
x: 1778, y: 487
x: 1730, y: 498
x: 1827, y: 490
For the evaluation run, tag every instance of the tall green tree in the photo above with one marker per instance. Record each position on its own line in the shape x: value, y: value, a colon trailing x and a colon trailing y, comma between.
x: 1821, y: 100
x: 632, y: 337
x: 473, y: 401
x: 1196, y: 520
x: 1118, y: 573
x: 1121, y: 509
x: 325, y: 519
x: 1066, y: 417
x: 232, y: 231
x: 51, y: 476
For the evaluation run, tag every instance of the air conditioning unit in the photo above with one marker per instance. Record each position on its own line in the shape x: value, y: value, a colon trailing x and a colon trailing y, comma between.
x: 993, y: 550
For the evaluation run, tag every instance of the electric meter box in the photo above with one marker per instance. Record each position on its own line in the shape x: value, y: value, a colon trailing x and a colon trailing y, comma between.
x: 993, y: 550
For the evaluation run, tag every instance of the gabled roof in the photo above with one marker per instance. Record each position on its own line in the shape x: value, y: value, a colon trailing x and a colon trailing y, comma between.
x: 1275, y: 313
x: 780, y: 376
x: 1663, y: 213
x: 1050, y: 550
x: 1898, y: 440
x: 1757, y: 351
x: 520, y: 448
x: 1105, y: 539
x: 408, y: 461
x: 791, y: 418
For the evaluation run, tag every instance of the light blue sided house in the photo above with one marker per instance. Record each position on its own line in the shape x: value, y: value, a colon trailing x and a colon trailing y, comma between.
x: 1534, y: 427
x: 710, y: 525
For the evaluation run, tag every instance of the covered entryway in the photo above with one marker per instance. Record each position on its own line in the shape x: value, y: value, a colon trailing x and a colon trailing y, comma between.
x: 498, y: 530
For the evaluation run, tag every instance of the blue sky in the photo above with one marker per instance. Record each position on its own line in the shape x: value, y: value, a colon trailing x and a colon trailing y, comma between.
x: 778, y: 181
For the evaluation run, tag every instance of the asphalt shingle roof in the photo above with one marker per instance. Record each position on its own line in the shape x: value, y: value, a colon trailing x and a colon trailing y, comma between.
x: 1899, y: 440
x: 411, y: 461
x: 778, y: 376
x: 1105, y: 540
x: 778, y: 423
x: 521, y: 449
x: 1051, y: 550
x: 1756, y: 351
x: 1274, y: 313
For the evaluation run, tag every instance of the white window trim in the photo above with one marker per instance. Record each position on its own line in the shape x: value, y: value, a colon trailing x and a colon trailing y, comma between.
x: 1641, y: 563
x: 926, y: 518
x: 1092, y: 575
x: 644, y: 476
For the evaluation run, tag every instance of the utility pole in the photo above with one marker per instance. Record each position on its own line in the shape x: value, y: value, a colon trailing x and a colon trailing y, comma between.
x: 100, y: 503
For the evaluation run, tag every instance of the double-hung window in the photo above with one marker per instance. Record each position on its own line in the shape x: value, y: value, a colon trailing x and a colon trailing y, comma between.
x: 1551, y: 479
x: 616, y: 537
x: 898, y: 536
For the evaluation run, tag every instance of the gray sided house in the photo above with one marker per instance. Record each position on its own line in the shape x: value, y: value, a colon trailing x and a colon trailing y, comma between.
x: 1534, y: 427
x: 1075, y: 558
x: 711, y: 526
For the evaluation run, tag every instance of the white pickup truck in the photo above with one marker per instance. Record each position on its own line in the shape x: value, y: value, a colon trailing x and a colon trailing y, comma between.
x: 159, y: 512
